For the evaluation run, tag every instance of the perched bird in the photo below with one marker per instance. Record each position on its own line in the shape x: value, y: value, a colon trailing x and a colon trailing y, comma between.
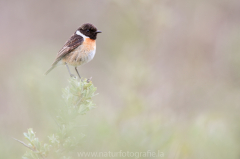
x: 79, y: 49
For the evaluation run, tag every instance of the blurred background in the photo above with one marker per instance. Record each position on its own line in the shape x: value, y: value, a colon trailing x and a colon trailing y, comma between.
x: 167, y: 73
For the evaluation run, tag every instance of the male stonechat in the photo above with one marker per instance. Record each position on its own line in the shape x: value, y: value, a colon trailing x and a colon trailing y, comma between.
x: 79, y: 49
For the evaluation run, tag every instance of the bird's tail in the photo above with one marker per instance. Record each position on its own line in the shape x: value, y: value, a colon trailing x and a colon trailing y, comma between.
x: 50, y: 69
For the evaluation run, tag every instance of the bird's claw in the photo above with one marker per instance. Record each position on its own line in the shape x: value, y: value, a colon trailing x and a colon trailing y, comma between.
x: 73, y: 76
x: 88, y: 80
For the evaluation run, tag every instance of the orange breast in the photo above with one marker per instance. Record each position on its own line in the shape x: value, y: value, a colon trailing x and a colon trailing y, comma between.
x: 80, y: 55
x: 89, y: 44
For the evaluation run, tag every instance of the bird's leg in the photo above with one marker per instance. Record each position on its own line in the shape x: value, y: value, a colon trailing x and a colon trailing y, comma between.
x: 77, y: 73
x: 71, y: 75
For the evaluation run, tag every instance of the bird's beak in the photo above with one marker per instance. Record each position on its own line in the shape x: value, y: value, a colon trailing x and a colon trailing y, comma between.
x: 98, y: 31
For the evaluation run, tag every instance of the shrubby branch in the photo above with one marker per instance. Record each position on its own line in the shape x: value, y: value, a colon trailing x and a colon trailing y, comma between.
x: 78, y: 98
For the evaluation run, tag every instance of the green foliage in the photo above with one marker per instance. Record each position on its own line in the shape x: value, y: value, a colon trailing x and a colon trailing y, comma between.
x: 78, y: 97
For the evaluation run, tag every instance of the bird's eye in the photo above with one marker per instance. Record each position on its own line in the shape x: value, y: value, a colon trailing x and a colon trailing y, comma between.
x: 88, y: 30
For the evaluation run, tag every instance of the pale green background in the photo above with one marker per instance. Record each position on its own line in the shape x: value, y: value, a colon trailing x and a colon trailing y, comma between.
x: 167, y: 73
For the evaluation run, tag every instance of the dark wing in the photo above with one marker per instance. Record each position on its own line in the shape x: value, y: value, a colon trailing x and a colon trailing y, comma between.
x: 74, y: 41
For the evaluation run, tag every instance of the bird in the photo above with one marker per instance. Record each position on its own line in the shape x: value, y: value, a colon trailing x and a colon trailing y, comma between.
x: 79, y: 49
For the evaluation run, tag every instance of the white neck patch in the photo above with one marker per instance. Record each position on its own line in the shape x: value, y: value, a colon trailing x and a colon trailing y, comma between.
x: 81, y: 34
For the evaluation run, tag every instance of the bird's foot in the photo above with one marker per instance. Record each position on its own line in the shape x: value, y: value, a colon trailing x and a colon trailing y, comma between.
x: 73, y: 76
x: 88, y: 80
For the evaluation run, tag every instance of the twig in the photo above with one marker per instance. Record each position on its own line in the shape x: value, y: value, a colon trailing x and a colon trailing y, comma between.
x: 25, y: 144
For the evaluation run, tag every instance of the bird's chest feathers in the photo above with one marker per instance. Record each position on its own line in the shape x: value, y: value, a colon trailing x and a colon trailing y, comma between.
x: 82, y: 54
x: 89, y: 49
x: 89, y: 44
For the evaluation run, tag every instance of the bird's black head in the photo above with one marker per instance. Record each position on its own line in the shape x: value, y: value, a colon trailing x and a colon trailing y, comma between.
x: 89, y: 30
